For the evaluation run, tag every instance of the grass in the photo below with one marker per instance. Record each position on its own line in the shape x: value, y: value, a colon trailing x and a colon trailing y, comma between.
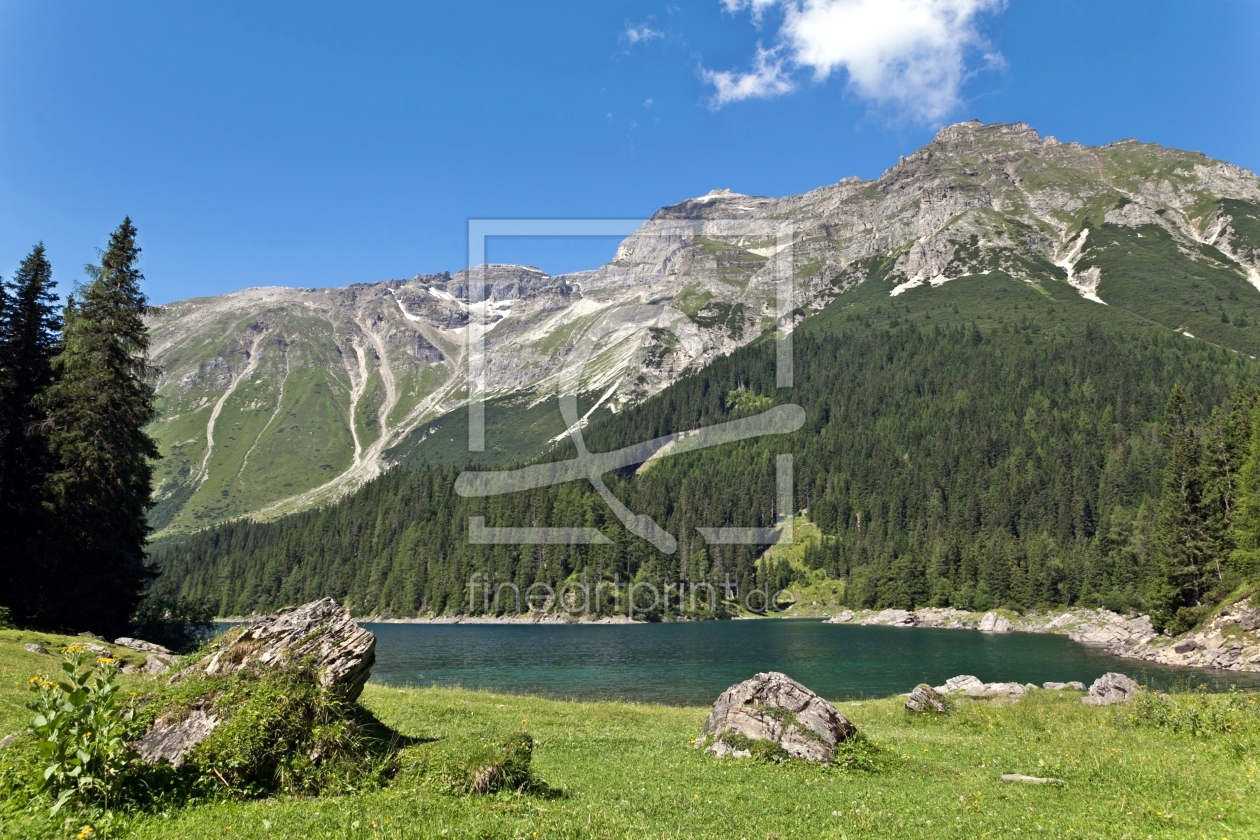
x: 630, y: 770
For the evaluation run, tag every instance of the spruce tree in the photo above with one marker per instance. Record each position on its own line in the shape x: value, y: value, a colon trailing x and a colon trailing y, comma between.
x: 1182, y: 542
x: 97, y: 413
x: 29, y: 327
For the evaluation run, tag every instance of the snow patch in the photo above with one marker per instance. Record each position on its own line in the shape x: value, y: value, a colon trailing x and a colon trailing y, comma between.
x: 1187, y: 335
x: 935, y: 282
x: 768, y: 251
x: 1086, y: 283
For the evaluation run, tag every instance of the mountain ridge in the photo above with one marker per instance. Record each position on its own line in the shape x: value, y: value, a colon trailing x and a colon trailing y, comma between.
x: 357, y: 376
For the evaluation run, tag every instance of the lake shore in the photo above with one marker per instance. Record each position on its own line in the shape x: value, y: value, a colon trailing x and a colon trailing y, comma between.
x: 1229, y: 641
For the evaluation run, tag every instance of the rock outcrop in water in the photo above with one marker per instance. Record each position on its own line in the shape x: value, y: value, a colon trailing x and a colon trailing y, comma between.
x: 773, y: 709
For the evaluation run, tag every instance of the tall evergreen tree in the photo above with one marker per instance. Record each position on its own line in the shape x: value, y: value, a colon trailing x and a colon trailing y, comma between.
x: 29, y: 328
x: 97, y: 413
x: 1182, y: 539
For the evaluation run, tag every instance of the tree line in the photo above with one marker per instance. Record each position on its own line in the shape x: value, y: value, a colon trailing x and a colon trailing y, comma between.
x: 76, y: 395
x: 945, y: 465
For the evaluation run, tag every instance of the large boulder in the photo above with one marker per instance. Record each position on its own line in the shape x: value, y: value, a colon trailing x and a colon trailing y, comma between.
x: 1109, y: 689
x: 320, y: 632
x: 774, y: 708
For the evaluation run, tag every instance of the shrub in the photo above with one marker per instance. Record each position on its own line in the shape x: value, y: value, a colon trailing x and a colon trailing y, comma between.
x: 480, y: 766
x: 81, y: 732
x: 1199, y: 714
x: 6, y: 619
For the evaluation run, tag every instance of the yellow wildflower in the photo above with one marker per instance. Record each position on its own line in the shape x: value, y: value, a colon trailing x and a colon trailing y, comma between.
x: 85, y: 832
x: 33, y: 680
x: 72, y: 649
x: 105, y: 660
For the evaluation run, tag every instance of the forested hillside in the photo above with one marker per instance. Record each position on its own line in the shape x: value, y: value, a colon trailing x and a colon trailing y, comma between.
x: 994, y: 442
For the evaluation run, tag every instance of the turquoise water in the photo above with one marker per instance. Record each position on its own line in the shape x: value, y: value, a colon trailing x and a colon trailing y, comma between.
x: 691, y: 663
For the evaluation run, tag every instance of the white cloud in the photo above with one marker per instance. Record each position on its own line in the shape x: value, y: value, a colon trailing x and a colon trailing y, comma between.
x: 766, y: 80
x: 758, y: 7
x: 640, y: 34
x: 907, y: 54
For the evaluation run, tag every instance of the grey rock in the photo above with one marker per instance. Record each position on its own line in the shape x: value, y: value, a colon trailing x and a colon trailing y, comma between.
x: 170, y: 739
x: 1215, y: 642
x: 924, y: 698
x: 1031, y: 780
x: 155, y: 664
x: 840, y: 618
x: 892, y: 618
x: 9, y: 739
x: 1074, y: 685
x: 91, y: 636
x: 1249, y: 618
x: 774, y: 707
x: 963, y: 683
x: 1185, y: 646
x: 343, y: 653
x: 994, y: 623
x: 724, y: 750
x: 34, y: 648
x: 98, y: 650
x: 1109, y: 689
x: 989, y: 690
x: 973, y: 687
x: 142, y: 646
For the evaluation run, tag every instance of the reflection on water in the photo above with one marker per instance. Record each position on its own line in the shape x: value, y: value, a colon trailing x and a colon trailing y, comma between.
x: 691, y: 663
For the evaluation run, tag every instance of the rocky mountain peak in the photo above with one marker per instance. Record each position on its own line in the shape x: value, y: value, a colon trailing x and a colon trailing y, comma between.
x: 329, y: 383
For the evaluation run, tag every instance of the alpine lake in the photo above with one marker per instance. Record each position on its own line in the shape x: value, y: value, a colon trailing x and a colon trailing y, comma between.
x: 691, y: 663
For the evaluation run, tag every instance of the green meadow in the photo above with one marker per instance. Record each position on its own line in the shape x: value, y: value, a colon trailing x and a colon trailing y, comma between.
x: 1182, y: 767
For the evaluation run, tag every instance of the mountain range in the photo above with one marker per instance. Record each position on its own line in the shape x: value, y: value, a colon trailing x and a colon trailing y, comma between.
x: 275, y: 400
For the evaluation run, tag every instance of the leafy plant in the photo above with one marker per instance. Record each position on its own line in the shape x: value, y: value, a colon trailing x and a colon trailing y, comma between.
x: 6, y: 619
x: 81, y: 731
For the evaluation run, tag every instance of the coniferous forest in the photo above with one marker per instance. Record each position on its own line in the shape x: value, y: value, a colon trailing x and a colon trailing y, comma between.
x: 75, y: 461
x: 981, y: 448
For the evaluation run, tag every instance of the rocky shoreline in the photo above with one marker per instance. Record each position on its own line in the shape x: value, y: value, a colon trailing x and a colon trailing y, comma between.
x: 1230, y: 641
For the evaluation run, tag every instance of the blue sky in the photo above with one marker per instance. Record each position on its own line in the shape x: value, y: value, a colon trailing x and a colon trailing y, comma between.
x: 325, y: 143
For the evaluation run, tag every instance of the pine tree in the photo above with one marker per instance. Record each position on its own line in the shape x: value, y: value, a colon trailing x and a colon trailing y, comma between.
x: 97, y: 413
x: 29, y: 327
x: 1245, y: 531
x: 1182, y: 541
